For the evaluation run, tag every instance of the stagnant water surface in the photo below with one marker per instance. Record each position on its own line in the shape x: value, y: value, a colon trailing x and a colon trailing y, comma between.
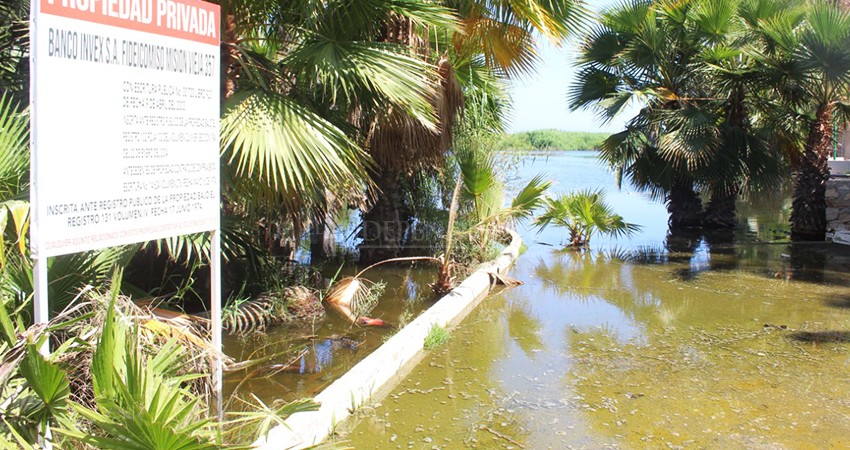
x: 319, y: 353
x: 682, y: 342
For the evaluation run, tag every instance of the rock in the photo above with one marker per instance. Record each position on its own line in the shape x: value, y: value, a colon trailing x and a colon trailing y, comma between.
x: 831, y: 214
x: 831, y: 193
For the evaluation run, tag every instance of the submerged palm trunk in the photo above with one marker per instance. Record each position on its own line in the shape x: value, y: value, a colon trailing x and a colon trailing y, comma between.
x: 808, y: 213
x: 684, y: 204
x: 385, y: 225
x: 322, y: 239
x: 721, y: 211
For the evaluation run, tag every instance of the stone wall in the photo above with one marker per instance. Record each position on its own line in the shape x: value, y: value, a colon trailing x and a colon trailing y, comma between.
x: 838, y: 203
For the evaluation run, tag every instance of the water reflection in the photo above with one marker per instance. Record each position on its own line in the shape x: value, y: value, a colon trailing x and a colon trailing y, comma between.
x: 690, y: 340
x: 300, y: 360
x: 524, y: 328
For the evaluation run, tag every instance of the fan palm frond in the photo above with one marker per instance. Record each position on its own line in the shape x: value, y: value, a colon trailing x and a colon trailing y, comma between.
x: 289, y: 151
x: 583, y: 214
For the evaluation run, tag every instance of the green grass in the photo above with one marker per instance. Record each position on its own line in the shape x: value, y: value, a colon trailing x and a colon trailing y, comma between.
x: 437, y: 337
x: 552, y: 140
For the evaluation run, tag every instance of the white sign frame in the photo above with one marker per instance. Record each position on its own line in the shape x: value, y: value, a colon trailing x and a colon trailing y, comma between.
x: 87, y: 35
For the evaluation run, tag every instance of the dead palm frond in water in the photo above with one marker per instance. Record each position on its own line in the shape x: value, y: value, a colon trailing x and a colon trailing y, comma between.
x: 354, y: 297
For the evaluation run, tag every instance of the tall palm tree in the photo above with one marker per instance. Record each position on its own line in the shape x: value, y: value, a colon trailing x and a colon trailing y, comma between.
x: 685, y: 62
x: 500, y: 33
x: 807, y: 60
x: 642, y: 51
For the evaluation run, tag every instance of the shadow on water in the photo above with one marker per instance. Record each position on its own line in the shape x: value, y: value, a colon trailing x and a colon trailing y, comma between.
x: 839, y: 301
x: 821, y: 337
x: 524, y: 328
x: 691, y: 253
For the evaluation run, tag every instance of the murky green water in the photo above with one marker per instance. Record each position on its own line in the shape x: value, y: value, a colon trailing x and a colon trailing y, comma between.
x: 684, y: 342
x: 321, y: 352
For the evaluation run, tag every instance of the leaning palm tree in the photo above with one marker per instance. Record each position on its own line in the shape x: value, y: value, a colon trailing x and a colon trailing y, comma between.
x: 584, y: 214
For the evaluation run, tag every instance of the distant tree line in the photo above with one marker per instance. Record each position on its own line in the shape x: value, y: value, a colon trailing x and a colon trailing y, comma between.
x: 552, y: 140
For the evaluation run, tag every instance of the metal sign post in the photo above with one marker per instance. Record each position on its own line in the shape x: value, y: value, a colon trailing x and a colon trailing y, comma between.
x: 215, y: 320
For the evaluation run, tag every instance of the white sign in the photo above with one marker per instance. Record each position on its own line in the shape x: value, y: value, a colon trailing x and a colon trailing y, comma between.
x: 125, y: 105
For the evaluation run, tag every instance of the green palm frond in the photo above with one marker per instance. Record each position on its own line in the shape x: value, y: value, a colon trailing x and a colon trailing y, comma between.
x: 583, y: 214
x: 261, y: 417
x: 528, y: 199
x: 367, y: 73
x: 691, y: 136
x: 141, y: 402
x: 478, y: 173
x: 288, y: 151
x: 825, y: 46
x: 14, y: 150
x: 715, y: 20
x: 67, y: 274
x: 595, y: 85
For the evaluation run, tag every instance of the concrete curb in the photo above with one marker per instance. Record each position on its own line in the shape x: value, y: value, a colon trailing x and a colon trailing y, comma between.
x: 374, y: 376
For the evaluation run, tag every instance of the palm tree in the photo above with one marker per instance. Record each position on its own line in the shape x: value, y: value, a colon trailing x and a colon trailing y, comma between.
x: 293, y: 84
x: 807, y: 60
x: 685, y: 62
x: 642, y: 51
x: 497, y: 34
x: 583, y: 214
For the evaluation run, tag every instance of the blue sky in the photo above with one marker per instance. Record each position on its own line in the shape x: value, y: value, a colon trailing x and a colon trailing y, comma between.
x: 540, y: 99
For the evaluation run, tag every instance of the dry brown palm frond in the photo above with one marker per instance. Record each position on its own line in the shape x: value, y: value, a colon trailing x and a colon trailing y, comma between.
x: 159, y: 323
x: 354, y: 297
x: 403, y: 143
x: 509, y: 282
x: 86, y: 318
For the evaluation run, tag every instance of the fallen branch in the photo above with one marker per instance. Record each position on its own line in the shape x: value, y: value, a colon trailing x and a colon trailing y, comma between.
x: 501, y: 436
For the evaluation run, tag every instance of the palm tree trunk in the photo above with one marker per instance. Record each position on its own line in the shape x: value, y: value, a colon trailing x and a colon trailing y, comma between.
x: 721, y: 211
x: 229, y: 67
x: 684, y: 204
x: 808, y: 211
x: 385, y: 225
x: 322, y: 239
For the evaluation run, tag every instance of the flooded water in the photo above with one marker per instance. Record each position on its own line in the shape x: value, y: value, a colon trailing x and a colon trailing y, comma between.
x: 301, y: 360
x: 736, y: 341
